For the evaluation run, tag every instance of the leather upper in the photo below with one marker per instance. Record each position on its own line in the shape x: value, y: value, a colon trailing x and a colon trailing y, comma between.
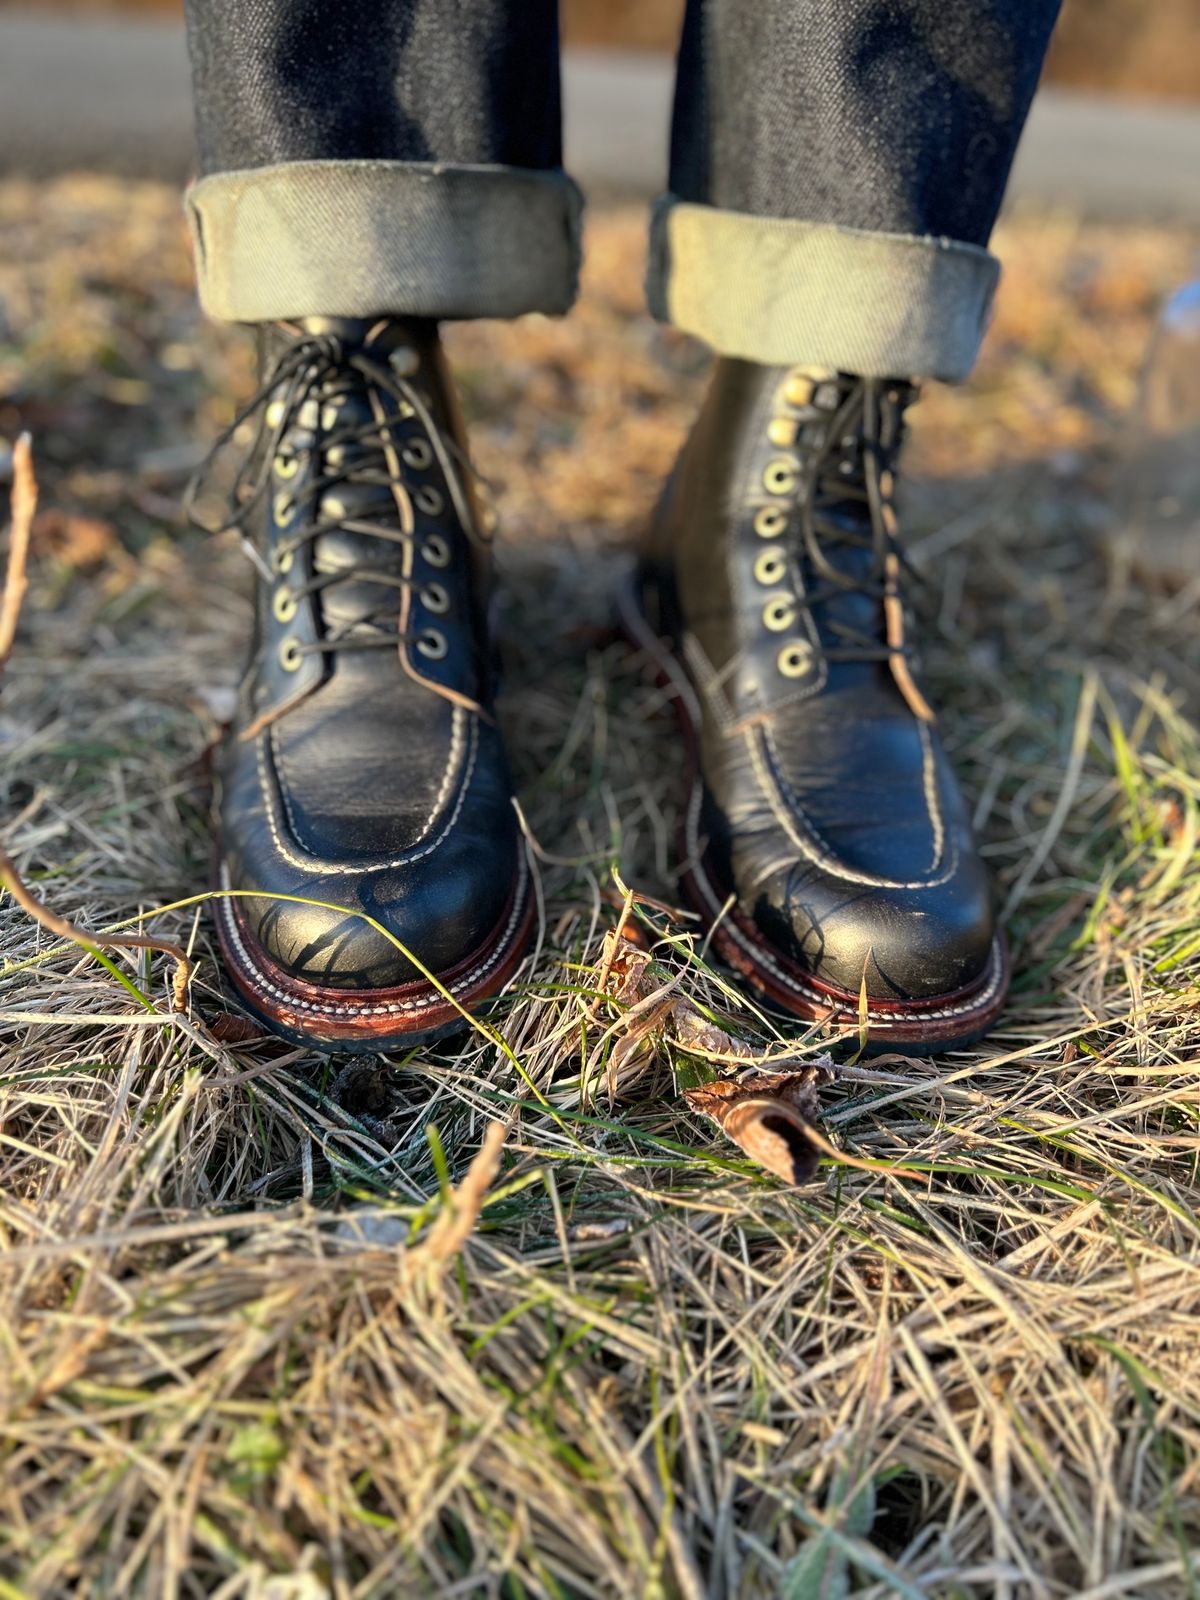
x: 827, y: 803
x: 365, y: 768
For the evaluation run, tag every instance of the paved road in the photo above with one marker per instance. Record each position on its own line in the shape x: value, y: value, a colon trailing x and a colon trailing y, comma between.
x: 113, y: 93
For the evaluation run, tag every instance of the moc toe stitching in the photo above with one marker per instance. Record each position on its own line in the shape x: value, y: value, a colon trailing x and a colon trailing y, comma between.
x: 309, y: 863
x: 825, y: 840
x: 367, y: 785
x: 788, y: 810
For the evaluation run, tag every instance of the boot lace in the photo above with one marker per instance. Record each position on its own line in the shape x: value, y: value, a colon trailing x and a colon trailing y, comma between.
x: 313, y: 372
x: 817, y: 508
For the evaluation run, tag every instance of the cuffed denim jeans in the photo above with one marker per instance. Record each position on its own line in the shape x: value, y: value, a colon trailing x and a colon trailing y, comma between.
x: 836, y: 167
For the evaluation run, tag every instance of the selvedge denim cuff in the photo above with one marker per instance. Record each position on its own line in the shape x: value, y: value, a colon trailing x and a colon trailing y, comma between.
x: 790, y: 292
x: 364, y: 238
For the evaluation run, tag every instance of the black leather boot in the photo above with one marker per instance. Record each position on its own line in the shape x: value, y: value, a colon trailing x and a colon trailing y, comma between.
x: 826, y: 838
x: 365, y: 770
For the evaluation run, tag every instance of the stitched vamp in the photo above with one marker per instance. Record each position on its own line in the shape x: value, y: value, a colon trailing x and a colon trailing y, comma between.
x: 368, y: 793
x: 870, y: 821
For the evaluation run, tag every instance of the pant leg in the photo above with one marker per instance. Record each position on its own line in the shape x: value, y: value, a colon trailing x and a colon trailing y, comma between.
x: 836, y: 168
x: 361, y: 157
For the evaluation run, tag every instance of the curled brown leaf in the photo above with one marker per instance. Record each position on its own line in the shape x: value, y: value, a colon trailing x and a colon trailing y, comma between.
x: 769, y: 1115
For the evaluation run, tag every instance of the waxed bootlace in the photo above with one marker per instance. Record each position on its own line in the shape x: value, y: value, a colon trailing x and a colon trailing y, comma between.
x: 855, y: 463
x: 314, y: 369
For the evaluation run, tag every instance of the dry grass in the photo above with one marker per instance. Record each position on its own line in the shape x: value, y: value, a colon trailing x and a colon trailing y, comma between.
x: 239, y: 1354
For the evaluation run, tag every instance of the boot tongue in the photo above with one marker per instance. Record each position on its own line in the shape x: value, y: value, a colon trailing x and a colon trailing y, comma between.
x: 344, y: 403
x: 854, y: 559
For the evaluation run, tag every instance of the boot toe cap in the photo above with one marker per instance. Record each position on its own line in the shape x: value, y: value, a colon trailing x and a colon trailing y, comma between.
x: 901, y: 944
x: 374, y: 930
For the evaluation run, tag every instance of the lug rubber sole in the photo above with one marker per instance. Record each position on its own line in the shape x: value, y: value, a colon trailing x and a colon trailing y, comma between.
x: 353, y: 1020
x: 919, y: 1026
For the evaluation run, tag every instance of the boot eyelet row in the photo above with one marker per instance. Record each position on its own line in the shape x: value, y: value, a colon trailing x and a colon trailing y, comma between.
x: 286, y: 466
x: 432, y: 644
x: 771, y: 567
x: 417, y: 454
x: 779, y: 614
x: 794, y: 659
x: 282, y: 559
x: 798, y: 391
x: 404, y: 361
x: 436, y: 551
x: 283, y: 607
x: 779, y: 476
x: 282, y: 507
x: 770, y: 521
x: 290, y: 655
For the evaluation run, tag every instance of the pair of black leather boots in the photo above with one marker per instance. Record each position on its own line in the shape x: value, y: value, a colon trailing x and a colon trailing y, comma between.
x: 377, y: 882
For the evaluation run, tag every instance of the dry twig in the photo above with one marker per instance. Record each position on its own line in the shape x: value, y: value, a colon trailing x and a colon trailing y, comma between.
x: 41, y: 913
x: 24, y: 504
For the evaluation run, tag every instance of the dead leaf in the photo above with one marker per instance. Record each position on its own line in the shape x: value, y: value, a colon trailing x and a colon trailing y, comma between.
x: 769, y: 1115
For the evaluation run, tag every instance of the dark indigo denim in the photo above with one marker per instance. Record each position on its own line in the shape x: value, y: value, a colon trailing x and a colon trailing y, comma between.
x: 392, y: 80
x: 898, y: 116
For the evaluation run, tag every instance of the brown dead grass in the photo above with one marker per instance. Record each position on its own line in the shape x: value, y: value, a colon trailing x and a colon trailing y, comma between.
x: 650, y: 1369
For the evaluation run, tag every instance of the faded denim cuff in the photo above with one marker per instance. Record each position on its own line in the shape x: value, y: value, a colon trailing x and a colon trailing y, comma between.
x: 789, y: 292
x: 366, y: 238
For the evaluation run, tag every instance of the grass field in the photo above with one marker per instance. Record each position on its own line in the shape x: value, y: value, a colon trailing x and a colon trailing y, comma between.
x: 264, y: 1335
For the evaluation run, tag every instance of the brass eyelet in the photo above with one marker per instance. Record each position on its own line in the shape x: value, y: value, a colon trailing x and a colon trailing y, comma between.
x: 794, y: 659
x: 432, y: 644
x: 417, y: 454
x: 436, y: 551
x: 282, y: 559
x: 798, y: 390
x: 779, y: 476
x: 434, y: 598
x: 404, y: 361
x: 770, y: 521
x: 283, y: 607
x: 290, y: 655
x: 781, y: 431
x: 282, y: 507
x: 286, y: 466
x: 771, y: 567
x: 779, y: 614
x: 274, y: 413
x: 429, y: 500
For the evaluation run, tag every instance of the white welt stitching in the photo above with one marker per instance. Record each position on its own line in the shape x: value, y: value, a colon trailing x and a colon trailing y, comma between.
x: 879, y: 1011
x: 381, y: 1008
